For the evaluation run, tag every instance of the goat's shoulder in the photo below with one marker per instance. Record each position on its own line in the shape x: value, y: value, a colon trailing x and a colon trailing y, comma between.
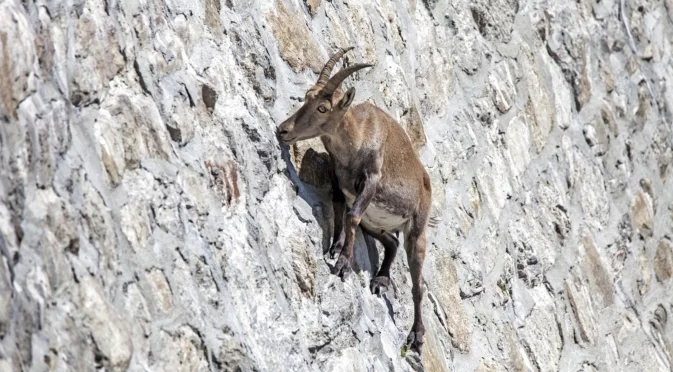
x: 382, y: 131
x: 367, y: 111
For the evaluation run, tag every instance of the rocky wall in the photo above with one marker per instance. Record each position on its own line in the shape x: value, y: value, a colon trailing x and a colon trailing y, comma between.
x: 150, y: 221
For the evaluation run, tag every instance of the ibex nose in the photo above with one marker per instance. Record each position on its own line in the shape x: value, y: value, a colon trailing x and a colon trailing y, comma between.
x: 284, y: 129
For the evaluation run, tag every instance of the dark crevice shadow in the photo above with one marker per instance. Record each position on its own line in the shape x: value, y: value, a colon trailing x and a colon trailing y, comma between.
x: 321, y: 208
x: 313, y: 197
x: 389, y: 306
x: 373, y: 252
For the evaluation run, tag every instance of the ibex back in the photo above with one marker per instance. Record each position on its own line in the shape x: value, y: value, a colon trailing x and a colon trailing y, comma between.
x: 378, y: 181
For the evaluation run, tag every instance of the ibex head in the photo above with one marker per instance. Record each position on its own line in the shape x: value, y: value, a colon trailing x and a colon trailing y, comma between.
x: 324, y: 104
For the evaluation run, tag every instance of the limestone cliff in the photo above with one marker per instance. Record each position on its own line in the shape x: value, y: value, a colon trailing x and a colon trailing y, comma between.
x: 150, y: 221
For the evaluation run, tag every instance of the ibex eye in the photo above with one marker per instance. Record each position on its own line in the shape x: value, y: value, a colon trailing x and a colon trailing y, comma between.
x: 322, y: 109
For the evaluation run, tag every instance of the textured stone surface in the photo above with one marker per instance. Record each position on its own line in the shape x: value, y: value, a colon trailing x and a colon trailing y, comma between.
x: 663, y: 261
x: 150, y: 221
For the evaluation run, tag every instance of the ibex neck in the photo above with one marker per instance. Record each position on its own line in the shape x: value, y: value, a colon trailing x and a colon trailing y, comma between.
x: 346, y: 138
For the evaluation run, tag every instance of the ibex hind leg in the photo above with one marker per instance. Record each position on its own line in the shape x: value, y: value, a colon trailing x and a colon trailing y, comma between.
x: 381, y: 282
x: 339, y: 235
x: 414, y: 244
x: 340, y: 210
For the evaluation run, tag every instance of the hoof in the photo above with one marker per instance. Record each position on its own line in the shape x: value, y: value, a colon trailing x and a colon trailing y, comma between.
x: 342, y: 267
x: 335, y: 249
x: 379, y: 285
x: 415, y: 341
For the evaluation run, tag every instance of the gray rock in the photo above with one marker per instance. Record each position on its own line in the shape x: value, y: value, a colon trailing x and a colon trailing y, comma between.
x: 5, y: 300
x: 663, y: 260
x: 150, y: 220
x: 111, y: 339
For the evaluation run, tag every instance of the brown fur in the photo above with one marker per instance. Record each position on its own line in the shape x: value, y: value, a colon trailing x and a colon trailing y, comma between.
x: 377, y: 178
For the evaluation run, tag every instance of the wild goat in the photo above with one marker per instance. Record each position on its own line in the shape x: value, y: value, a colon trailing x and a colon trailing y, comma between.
x: 378, y: 181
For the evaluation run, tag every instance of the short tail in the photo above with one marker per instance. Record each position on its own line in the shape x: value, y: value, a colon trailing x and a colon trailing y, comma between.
x: 434, y: 221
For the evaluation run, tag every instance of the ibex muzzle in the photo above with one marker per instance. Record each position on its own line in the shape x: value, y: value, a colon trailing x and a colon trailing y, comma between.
x: 318, y: 116
x: 378, y: 181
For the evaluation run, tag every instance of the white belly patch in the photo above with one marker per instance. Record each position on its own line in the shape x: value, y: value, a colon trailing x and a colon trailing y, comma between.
x: 377, y: 217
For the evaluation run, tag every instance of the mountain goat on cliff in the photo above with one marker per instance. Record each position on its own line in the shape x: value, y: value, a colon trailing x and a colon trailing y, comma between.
x: 378, y: 181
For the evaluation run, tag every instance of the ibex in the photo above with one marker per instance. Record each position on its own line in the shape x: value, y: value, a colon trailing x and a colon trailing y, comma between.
x: 378, y: 180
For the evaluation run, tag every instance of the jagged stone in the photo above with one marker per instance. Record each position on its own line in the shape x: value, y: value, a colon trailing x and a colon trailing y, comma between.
x: 642, y: 214
x: 600, y: 283
x: 110, y: 334
x: 161, y: 290
x: 150, y: 220
x: 313, y: 6
x: 539, y: 109
x: 294, y: 39
x: 5, y: 298
x: 517, y: 139
x: 501, y: 84
x: 448, y: 294
x: 663, y: 260
x: 542, y: 325
x: 581, y: 304
x: 494, y: 184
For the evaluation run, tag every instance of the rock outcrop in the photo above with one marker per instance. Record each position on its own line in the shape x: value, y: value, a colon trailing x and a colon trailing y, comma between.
x: 150, y: 221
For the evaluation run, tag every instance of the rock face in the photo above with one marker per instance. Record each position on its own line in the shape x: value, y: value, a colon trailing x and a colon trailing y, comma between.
x: 150, y: 221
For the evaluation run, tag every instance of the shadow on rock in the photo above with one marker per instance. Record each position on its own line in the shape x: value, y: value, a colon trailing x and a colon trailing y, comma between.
x: 313, y: 187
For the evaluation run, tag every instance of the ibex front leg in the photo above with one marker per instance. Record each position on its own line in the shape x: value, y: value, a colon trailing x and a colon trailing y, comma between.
x: 366, y: 189
x: 339, y: 207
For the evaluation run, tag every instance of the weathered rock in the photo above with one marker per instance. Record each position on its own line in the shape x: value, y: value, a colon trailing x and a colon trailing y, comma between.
x: 412, y: 122
x: 110, y: 333
x: 580, y: 302
x: 295, y: 42
x: 433, y: 56
x: 98, y: 54
x: 600, y: 283
x: 502, y: 88
x: 642, y: 214
x: 532, y: 248
x: 539, y: 108
x: 587, y: 176
x: 542, y: 324
x: 517, y: 139
x: 494, y: 185
x: 313, y: 6
x: 209, y: 97
x: 53, y: 235
x: 663, y: 260
x: 448, y: 295
x: 5, y: 299
x: 161, y: 290
x: 17, y: 65
x: 494, y: 19
x: 183, y: 351
x: 150, y: 220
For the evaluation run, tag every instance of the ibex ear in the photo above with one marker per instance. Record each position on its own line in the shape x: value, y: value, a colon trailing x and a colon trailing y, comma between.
x: 347, y: 98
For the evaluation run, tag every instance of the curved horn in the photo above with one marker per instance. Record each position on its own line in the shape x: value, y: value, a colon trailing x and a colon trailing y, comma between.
x: 339, y: 77
x: 327, y: 70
